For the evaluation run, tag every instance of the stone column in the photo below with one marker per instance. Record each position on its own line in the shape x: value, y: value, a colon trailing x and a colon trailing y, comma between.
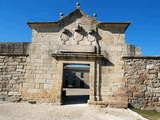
x: 59, y: 82
x: 92, y: 82
x: 97, y: 71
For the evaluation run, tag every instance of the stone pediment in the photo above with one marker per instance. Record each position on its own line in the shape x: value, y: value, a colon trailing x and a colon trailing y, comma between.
x: 78, y: 32
x: 77, y: 14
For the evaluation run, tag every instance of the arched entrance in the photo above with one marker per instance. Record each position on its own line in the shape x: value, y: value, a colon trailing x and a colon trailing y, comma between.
x: 75, y: 83
x: 94, y: 73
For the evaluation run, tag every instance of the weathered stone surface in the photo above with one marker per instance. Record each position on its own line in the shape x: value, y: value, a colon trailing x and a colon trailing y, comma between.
x: 112, y: 80
x: 32, y: 90
x: 144, y: 86
x: 14, y: 93
x: 13, y: 48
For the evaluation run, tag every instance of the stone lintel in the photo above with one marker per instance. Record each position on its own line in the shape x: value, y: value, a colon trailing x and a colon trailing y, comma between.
x: 77, y: 56
x: 78, y: 49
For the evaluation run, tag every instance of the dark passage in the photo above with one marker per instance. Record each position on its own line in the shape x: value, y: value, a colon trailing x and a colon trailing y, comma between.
x: 75, y: 96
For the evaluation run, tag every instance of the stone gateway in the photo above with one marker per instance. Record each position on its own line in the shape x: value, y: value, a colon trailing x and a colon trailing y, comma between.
x: 118, y: 75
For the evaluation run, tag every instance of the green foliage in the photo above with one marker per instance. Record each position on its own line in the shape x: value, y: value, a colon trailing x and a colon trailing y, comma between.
x: 151, y: 115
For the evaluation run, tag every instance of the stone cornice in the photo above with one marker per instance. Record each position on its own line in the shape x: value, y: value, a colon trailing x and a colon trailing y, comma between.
x: 76, y: 56
x: 141, y: 57
x: 42, y: 24
x: 124, y: 25
x: 14, y: 54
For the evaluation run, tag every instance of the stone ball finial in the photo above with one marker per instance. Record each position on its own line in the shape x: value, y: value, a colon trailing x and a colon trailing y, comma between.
x: 77, y: 5
x: 61, y: 15
x: 95, y: 15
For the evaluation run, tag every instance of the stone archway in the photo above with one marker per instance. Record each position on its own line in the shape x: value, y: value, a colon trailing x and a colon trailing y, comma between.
x: 94, y: 77
x: 75, y: 84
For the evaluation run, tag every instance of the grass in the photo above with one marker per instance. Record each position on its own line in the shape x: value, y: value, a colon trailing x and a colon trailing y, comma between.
x: 149, y: 114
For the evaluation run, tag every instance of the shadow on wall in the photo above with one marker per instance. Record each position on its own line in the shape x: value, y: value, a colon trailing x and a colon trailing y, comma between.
x: 75, y: 99
x: 106, y: 62
x: 75, y: 82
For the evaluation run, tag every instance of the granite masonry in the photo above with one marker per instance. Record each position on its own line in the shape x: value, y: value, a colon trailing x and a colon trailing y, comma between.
x: 118, y: 75
x: 143, y: 81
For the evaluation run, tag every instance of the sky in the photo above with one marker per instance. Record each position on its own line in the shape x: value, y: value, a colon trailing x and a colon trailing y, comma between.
x: 144, y: 16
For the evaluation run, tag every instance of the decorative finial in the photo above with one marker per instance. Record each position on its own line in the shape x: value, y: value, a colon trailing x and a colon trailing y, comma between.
x: 61, y: 15
x: 77, y: 5
x: 95, y: 16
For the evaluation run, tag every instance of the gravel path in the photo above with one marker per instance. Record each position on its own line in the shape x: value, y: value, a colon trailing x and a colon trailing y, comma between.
x: 26, y: 111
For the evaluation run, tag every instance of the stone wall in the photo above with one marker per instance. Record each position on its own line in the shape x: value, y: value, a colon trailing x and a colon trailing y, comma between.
x: 12, y: 63
x: 14, y: 48
x: 113, y: 89
x: 143, y: 82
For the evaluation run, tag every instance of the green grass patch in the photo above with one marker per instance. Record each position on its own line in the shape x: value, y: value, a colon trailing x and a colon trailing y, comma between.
x: 149, y: 114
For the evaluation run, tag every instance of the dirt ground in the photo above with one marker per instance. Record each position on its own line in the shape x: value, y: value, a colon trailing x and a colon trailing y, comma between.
x: 26, y: 111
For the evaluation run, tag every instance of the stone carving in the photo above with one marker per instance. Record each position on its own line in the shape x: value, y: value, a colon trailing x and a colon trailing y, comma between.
x: 91, y: 36
x: 64, y: 35
x: 78, y: 33
x: 78, y: 36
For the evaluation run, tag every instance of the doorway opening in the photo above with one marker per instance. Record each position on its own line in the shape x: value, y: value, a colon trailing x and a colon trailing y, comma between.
x: 75, y: 84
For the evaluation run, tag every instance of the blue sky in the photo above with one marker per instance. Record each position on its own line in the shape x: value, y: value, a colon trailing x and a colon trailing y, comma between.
x: 144, y: 31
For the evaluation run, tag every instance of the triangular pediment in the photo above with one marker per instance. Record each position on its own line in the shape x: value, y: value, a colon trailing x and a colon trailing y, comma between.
x: 77, y: 14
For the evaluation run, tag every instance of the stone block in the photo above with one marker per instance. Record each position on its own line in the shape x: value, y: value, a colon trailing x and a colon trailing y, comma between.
x: 20, y: 67
x: 148, y: 94
x: 158, y: 75
x: 32, y: 90
x: 14, y: 93
x: 29, y: 85
x: 2, y: 57
x: 153, y: 71
x: 15, y: 98
x: 150, y: 103
x: 38, y: 60
x: 10, y: 59
x: 123, y: 89
x: 12, y: 63
x: 24, y: 59
x: 118, y: 104
x: 20, y: 81
x: 118, y: 79
x: 1, y: 60
x: 40, y: 81
x: 48, y: 86
x: 41, y: 86
x: 150, y: 66
x: 120, y: 94
x: 15, y: 77
x: 20, y: 70
x: 3, y: 93
x: 12, y: 81
x: 27, y: 67
x: 158, y: 109
x: 11, y: 68
x: 1, y: 64
x: 137, y: 95
x: 5, y: 76
x: 115, y: 89
x: 46, y: 76
x: 29, y: 76
x: 50, y: 81
x: 37, y: 85
x: 0, y: 87
x: 142, y: 88
x: 22, y: 63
